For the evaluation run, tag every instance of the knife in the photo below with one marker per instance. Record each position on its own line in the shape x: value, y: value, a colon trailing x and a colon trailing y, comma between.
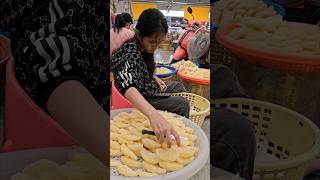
x: 153, y: 134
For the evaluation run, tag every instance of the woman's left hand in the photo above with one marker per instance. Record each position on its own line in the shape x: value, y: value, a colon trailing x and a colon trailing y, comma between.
x: 162, y: 85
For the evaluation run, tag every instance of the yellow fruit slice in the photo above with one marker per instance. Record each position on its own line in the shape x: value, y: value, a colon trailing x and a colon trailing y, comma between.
x: 115, y: 152
x: 170, y: 154
x: 188, y: 151
x: 185, y: 161
x: 114, y: 163
x: 135, y: 146
x: 170, y: 166
x: 130, y: 162
x: 130, y: 137
x: 145, y: 174
x: 148, y: 156
x: 126, y: 171
x: 150, y: 144
x: 153, y: 168
x: 127, y: 152
x: 114, y: 145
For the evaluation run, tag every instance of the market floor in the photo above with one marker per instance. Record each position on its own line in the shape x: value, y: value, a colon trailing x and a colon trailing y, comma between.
x: 204, y: 173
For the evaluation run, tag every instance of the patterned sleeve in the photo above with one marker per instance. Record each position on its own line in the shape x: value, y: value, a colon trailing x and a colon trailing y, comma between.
x: 125, y: 66
x: 55, y: 41
x: 56, y: 44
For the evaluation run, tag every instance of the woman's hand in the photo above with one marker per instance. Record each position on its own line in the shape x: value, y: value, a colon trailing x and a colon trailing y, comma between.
x: 163, y: 128
x: 162, y: 85
x: 159, y: 124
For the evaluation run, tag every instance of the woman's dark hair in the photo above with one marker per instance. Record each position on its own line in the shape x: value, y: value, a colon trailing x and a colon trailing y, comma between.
x: 121, y: 21
x: 150, y: 22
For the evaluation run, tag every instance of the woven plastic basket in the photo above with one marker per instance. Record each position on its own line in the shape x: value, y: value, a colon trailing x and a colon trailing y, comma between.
x: 199, y: 105
x: 202, y: 90
x: 220, y: 54
x: 280, y: 132
x: 200, y: 86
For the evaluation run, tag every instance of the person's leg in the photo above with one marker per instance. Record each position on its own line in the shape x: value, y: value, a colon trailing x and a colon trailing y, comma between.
x: 175, y: 87
x: 233, y: 143
x: 224, y: 83
x: 174, y: 104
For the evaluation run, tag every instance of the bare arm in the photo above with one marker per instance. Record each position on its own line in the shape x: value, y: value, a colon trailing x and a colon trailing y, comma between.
x: 134, y: 96
x: 75, y: 109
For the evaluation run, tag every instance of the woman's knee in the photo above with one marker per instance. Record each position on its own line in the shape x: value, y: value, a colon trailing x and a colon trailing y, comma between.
x: 234, y: 127
x: 183, y: 106
x: 177, y: 87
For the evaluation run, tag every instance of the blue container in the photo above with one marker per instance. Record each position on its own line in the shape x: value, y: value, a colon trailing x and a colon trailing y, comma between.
x: 5, y: 33
x: 173, y: 71
x: 278, y: 8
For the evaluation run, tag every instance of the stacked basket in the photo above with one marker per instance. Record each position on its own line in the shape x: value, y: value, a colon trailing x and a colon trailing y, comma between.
x: 195, y: 85
x: 199, y: 105
x: 276, y: 130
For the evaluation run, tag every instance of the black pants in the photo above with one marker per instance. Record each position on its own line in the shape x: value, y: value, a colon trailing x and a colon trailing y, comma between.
x: 232, y: 142
x: 174, y: 104
x: 224, y: 83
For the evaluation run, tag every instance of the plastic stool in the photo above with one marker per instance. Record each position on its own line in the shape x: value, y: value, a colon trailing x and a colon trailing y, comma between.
x: 117, y: 100
x: 27, y: 126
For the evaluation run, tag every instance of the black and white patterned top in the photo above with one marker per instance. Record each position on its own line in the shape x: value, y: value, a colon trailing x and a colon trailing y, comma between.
x: 130, y: 70
x: 58, y: 40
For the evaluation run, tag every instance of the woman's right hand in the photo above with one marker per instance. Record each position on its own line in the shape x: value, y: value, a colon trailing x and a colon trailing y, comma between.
x: 163, y: 129
x: 159, y: 124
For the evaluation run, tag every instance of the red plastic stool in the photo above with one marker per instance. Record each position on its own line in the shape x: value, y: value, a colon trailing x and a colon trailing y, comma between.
x: 27, y: 126
x: 117, y: 100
